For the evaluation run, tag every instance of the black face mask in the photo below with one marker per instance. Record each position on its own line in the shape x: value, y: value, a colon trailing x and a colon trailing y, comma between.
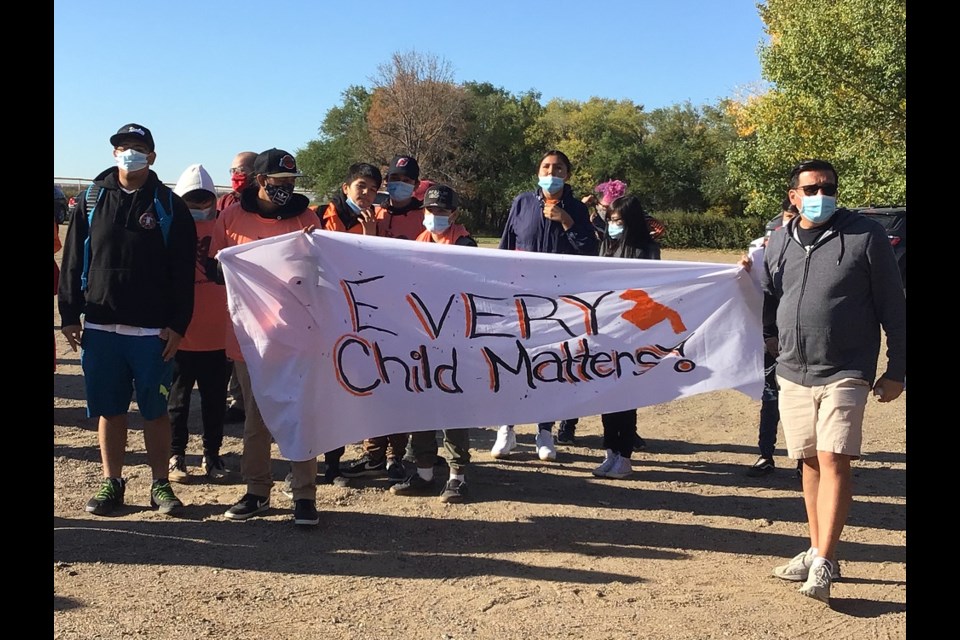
x: 279, y: 194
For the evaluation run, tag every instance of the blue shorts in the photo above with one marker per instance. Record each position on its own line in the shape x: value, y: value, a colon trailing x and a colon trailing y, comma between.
x: 115, y: 365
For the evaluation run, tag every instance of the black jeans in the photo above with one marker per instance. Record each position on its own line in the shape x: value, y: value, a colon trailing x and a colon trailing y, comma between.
x: 769, y: 408
x: 619, y: 431
x: 207, y: 369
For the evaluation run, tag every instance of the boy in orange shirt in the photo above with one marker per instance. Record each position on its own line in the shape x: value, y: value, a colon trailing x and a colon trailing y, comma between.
x: 202, y: 357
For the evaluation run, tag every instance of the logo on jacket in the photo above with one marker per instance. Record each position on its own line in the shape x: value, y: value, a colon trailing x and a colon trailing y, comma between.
x: 148, y: 221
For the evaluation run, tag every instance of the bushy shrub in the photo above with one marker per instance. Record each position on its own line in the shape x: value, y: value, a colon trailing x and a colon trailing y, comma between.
x: 699, y: 231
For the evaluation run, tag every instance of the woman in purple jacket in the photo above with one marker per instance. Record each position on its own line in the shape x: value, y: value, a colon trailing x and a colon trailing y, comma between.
x: 549, y: 219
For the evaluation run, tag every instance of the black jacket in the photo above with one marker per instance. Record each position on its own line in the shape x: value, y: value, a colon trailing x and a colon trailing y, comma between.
x: 135, y: 277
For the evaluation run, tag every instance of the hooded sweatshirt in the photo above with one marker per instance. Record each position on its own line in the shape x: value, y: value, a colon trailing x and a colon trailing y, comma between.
x: 246, y: 222
x: 827, y: 302
x: 135, y: 278
x: 404, y: 222
x: 207, y: 330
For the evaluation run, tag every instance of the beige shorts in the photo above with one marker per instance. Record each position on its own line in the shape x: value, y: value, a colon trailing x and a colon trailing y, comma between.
x: 823, y: 418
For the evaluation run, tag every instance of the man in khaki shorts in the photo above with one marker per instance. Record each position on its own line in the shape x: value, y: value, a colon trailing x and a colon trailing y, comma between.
x: 831, y: 283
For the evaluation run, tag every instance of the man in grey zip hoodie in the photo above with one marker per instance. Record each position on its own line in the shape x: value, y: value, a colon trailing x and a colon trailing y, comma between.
x: 830, y: 283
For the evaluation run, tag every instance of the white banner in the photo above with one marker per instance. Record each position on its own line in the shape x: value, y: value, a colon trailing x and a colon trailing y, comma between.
x: 348, y: 337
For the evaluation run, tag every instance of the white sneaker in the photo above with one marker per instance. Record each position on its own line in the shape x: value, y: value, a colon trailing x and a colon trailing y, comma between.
x: 545, y: 448
x: 601, y: 471
x: 506, y: 442
x: 817, y: 585
x: 621, y: 468
x: 798, y: 569
x: 177, y: 471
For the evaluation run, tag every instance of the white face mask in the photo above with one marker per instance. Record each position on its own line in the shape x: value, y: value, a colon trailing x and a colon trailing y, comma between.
x: 132, y: 160
x: 204, y: 214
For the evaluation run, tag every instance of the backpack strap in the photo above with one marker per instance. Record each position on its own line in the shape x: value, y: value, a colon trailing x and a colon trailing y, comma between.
x: 93, y: 195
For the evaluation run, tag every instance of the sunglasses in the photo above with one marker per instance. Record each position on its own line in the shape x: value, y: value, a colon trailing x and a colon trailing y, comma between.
x: 812, y: 189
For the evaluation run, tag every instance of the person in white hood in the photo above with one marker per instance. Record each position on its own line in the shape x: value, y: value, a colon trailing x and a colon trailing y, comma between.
x: 202, y: 356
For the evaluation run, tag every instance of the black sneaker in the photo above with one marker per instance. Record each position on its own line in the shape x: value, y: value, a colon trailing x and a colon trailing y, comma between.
x: 108, y: 497
x: 396, y: 472
x: 455, y: 491
x: 762, y: 467
x: 364, y: 467
x: 214, y: 468
x: 639, y: 444
x: 414, y: 485
x: 162, y: 497
x: 234, y: 414
x: 305, y: 512
x: 565, y: 435
x: 248, y: 506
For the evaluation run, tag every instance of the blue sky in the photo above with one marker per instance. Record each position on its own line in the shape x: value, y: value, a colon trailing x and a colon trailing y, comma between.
x: 211, y: 78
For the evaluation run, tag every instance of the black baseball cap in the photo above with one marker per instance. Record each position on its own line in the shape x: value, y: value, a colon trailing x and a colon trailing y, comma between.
x: 276, y: 163
x: 405, y: 166
x: 132, y: 131
x: 441, y: 196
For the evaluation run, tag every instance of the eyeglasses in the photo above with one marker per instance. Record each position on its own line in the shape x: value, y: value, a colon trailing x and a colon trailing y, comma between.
x: 236, y: 170
x: 812, y: 189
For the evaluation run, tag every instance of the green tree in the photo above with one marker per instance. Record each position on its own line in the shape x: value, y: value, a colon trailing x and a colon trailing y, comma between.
x: 495, y: 162
x: 838, y: 91
x: 343, y: 140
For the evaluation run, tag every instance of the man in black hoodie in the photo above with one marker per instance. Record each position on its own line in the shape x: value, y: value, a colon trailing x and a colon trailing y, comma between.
x: 831, y: 283
x: 128, y: 269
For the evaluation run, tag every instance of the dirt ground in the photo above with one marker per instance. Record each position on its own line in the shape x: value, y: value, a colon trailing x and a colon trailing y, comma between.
x: 682, y: 549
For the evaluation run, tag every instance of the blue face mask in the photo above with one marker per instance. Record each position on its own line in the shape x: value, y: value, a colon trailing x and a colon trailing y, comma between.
x: 132, y: 160
x: 204, y: 214
x: 435, y: 224
x: 818, y: 208
x: 550, y: 184
x: 353, y: 205
x: 400, y: 191
x: 614, y: 230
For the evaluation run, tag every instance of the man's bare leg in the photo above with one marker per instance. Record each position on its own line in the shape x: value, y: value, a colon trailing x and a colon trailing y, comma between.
x: 833, y: 501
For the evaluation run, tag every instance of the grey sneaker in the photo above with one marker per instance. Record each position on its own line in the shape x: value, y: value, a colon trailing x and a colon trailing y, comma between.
x: 177, y: 472
x: 817, y: 585
x: 798, y: 569
x: 414, y: 486
x: 108, y: 497
x: 162, y: 497
x: 454, y: 492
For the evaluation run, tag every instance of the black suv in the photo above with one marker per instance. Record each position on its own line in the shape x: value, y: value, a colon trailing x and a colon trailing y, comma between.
x: 894, y: 220
x: 59, y: 204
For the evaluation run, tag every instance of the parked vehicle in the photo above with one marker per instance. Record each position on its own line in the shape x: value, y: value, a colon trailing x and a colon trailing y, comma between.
x: 59, y: 205
x: 894, y: 220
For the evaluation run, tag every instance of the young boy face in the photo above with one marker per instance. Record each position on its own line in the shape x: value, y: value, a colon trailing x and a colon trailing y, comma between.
x: 362, y: 191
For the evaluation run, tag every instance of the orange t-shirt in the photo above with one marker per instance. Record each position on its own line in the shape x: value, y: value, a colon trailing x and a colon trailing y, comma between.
x: 236, y: 226
x: 208, y: 326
